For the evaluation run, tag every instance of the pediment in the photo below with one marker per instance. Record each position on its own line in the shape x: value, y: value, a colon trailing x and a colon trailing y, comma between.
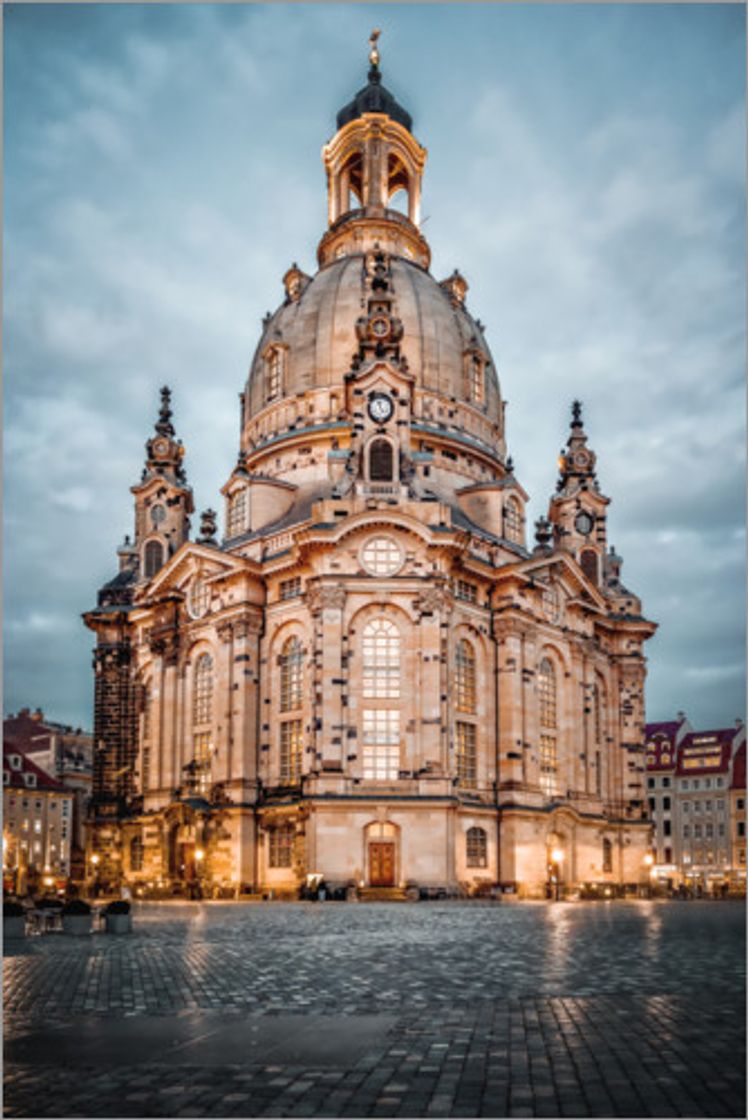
x: 561, y: 571
x: 191, y: 559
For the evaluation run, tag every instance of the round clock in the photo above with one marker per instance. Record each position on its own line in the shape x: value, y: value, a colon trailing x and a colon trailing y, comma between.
x: 582, y: 459
x: 583, y: 523
x: 380, y: 327
x: 160, y: 446
x: 380, y: 407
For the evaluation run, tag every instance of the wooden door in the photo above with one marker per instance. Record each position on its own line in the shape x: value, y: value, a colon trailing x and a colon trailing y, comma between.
x: 382, y: 863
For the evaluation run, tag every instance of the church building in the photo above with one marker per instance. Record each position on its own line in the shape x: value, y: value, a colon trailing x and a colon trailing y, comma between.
x: 365, y: 668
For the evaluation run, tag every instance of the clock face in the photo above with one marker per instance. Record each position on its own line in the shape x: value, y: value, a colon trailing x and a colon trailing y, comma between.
x: 160, y: 446
x: 158, y: 514
x: 582, y: 459
x: 380, y: 407
x: 379, y: 327
x: 583, y: 523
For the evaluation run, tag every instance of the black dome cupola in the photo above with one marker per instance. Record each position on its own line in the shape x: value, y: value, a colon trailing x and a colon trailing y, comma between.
x: 374, y: 97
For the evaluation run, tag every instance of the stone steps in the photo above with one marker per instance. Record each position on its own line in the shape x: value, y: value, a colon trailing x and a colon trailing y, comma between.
x: 382, y: 894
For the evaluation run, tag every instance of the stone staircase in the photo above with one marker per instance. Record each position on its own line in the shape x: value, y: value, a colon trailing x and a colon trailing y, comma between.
x: 382, y: 894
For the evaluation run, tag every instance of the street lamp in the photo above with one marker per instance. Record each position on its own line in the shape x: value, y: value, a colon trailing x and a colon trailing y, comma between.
x: 557, y: 858
x: 95, y: 858
x: 199, y: 857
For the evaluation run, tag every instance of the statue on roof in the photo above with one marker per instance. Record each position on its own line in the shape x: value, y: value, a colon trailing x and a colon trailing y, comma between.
x: 374, y: 50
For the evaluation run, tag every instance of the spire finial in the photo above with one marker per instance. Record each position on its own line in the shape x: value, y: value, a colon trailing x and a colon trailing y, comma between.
x: 164, y: 426
x: 373, y: 49
x: 576, y: 412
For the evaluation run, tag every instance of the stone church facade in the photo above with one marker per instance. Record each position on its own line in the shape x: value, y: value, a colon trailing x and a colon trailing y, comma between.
x: 372, y: 676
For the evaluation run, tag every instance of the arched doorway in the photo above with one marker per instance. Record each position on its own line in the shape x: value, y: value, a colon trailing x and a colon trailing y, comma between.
x: 381, y: 854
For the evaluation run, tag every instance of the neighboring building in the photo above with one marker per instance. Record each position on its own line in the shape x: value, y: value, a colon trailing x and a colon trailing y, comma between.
x: 737, y: 820
x: 37, y: 822
x: 66, y: 753
x: 693, y: 801
x: 373, y: 676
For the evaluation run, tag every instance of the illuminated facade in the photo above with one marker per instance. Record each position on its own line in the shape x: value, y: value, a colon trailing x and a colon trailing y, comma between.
x: 373, y: 677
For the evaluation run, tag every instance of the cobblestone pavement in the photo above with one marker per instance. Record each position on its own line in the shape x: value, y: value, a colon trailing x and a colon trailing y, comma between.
x: 424, y: 1009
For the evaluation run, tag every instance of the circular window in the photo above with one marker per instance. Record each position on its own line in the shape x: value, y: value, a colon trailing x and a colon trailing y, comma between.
x: 199, y: 598
x: 381, y: 556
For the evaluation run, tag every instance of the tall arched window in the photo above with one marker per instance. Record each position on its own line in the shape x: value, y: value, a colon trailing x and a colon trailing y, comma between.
x: 465, y: 677
x: 202, y: 716
x: 290, y: 703
x: 381, y: 461
x: 236, y: 521
x: 154, y: 558
x: 381, y: 661
x: 548, y: 727
x: 476, y: 847
x: 381, y: 683
x: 465, y: 706
x: 513, y: 520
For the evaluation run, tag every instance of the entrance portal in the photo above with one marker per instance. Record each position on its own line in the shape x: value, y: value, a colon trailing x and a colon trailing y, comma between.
x: 382, y: 863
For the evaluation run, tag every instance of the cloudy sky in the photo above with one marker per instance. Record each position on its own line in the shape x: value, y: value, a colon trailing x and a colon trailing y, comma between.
x: 586, y: 174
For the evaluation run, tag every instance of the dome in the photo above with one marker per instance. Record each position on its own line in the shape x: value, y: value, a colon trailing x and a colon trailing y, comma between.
x: 374, y: 98
x: 317, y: 332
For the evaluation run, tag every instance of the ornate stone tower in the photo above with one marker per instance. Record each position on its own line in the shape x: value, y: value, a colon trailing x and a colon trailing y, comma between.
x: 370, y: 677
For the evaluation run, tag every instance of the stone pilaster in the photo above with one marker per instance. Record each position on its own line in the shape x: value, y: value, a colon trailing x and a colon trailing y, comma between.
x: 326, y: 603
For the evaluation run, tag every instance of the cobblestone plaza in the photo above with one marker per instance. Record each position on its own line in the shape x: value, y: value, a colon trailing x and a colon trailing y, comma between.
x: 430, y: 1009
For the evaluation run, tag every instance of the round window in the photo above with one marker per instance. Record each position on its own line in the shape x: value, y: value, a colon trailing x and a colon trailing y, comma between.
x: 382, y: 556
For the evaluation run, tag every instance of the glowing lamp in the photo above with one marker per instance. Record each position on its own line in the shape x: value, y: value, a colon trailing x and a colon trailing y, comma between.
x: 199, y: 854
x: 649, y: 859
x: 95, y: 859
x: 557, y: 855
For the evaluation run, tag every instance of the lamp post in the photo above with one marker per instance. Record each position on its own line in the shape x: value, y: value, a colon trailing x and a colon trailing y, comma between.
x: 199, y: 857
x: 557, y: 858
x: 95, y: 858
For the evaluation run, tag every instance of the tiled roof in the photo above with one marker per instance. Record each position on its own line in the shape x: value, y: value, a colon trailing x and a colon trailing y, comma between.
x: 17, y: 776
x: 706, y: 752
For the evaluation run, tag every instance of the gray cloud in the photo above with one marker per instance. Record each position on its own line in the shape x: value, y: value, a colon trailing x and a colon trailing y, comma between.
x: 163, y: 170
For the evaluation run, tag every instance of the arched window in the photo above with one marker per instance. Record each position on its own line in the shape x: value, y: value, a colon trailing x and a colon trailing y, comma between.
x: 476, y: 847
x: 236, y: 521
x: 466, y: 753
x: 280, y: 846
x: 381, y: 682
x: 548, y: 727
x: 202, y: 715
x: 381, y: 461
x: 588, y: 564
x: 607, y: 855
x: 154, y: 558
x: 381, y: 661
x: 513, y: 520
x: 465, y: 677
x: 290, y: 702
x: 136, y: 854
x: 291, y: 666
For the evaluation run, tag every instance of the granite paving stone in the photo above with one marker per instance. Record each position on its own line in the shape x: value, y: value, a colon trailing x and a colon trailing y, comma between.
x: 430, y: 1009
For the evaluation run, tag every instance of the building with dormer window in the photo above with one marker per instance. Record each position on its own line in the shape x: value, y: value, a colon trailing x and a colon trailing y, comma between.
x: 371, y: 675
